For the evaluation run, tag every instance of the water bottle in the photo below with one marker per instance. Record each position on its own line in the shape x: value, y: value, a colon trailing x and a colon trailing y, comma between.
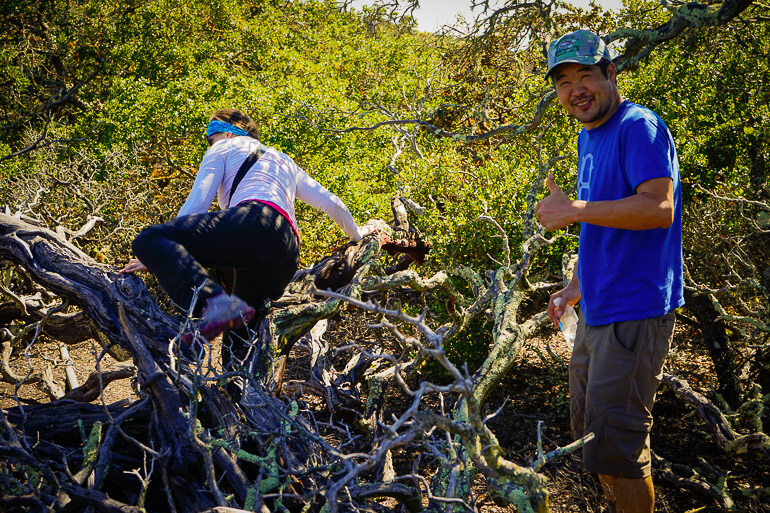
x: 567, y: 323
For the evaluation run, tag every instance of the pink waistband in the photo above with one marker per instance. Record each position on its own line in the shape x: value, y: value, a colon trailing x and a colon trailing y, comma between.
x: 280, y: 211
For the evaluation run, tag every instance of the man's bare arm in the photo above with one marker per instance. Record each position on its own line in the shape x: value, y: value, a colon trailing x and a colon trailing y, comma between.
x: 652, y: 206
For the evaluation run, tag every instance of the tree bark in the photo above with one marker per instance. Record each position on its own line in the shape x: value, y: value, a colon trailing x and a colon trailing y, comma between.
x: 724, y: 357
x: 97, y: 289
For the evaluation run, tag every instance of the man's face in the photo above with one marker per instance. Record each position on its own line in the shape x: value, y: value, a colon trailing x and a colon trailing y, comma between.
x: 586, y: 93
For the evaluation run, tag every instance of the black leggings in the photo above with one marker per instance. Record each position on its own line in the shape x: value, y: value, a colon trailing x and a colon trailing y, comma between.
x: 251, y: 248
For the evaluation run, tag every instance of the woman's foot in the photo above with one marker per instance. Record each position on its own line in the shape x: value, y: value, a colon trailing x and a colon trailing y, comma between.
x: 221, y: 312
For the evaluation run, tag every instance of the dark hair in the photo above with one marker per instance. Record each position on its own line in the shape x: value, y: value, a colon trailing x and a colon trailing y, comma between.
x: 603, y: 65
x: 237, y: 118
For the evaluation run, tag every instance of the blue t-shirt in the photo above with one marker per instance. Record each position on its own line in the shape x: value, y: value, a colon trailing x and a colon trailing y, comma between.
x: 628, y: 274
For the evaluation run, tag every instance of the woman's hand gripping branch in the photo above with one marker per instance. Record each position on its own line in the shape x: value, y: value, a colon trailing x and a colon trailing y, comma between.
x: 133, y: 265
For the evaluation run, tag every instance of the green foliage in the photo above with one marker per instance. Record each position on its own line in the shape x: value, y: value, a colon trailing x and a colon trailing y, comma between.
x: 163, y: 66
x: 471, y: 346
x: 711, y: 89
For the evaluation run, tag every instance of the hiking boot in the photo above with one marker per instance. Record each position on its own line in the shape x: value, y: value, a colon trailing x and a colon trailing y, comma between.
x: 220, y: 313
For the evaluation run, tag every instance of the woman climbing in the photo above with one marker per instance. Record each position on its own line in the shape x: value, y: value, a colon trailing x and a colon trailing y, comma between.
x: 252, y: 243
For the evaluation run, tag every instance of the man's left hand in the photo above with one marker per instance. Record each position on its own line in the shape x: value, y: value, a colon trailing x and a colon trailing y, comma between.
x: 557, y: 210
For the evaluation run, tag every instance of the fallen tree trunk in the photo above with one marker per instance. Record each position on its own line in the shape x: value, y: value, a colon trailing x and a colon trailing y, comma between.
x: 95, y: 288
x: 195, y: 447
x: 69, y: 328
x: 186, y: 445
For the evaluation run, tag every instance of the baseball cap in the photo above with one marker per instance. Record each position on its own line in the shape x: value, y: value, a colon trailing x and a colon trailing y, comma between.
x: 580, y: 46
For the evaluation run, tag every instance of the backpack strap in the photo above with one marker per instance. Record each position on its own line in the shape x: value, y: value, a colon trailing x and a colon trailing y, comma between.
x: 250, y: 160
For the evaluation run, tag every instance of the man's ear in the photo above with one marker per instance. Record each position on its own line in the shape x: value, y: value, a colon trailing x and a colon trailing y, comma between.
x: 612, y: 74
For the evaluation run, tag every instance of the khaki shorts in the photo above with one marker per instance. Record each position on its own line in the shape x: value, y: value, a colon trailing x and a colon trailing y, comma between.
x: 614, y: 373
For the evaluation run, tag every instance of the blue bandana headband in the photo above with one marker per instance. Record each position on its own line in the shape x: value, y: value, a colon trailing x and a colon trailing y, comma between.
x: 217, y: 126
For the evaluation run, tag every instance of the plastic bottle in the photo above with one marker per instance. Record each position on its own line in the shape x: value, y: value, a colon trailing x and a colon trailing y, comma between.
x: 567, y: 322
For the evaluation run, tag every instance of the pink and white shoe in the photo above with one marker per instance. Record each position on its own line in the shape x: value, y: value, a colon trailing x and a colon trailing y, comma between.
x: 221, y: 312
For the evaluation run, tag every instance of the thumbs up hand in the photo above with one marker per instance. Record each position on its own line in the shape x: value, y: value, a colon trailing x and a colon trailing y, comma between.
x: 552, y: 186
x: 557, y: 210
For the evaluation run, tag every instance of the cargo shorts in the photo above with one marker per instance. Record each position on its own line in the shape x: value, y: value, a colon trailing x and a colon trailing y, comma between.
x: 614, y: 374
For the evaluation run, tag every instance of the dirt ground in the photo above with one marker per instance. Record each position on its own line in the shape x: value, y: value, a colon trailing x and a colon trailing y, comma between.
x: 534, y: 393
x: 83, y: 358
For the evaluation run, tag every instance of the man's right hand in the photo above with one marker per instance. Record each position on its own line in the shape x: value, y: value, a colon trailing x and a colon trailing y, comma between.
x: 556, y: 210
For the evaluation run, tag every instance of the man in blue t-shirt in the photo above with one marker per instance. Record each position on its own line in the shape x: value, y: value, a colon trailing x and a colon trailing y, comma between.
x: 629, y: 271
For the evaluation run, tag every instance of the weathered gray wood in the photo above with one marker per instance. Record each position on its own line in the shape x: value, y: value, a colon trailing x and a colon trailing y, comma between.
x: 69, y: 328
x: 97, y: 381
x: 95, y: 288
x: 156, y: 436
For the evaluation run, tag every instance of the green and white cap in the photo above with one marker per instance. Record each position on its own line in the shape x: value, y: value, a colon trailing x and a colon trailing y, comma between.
x: 581, y: 47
